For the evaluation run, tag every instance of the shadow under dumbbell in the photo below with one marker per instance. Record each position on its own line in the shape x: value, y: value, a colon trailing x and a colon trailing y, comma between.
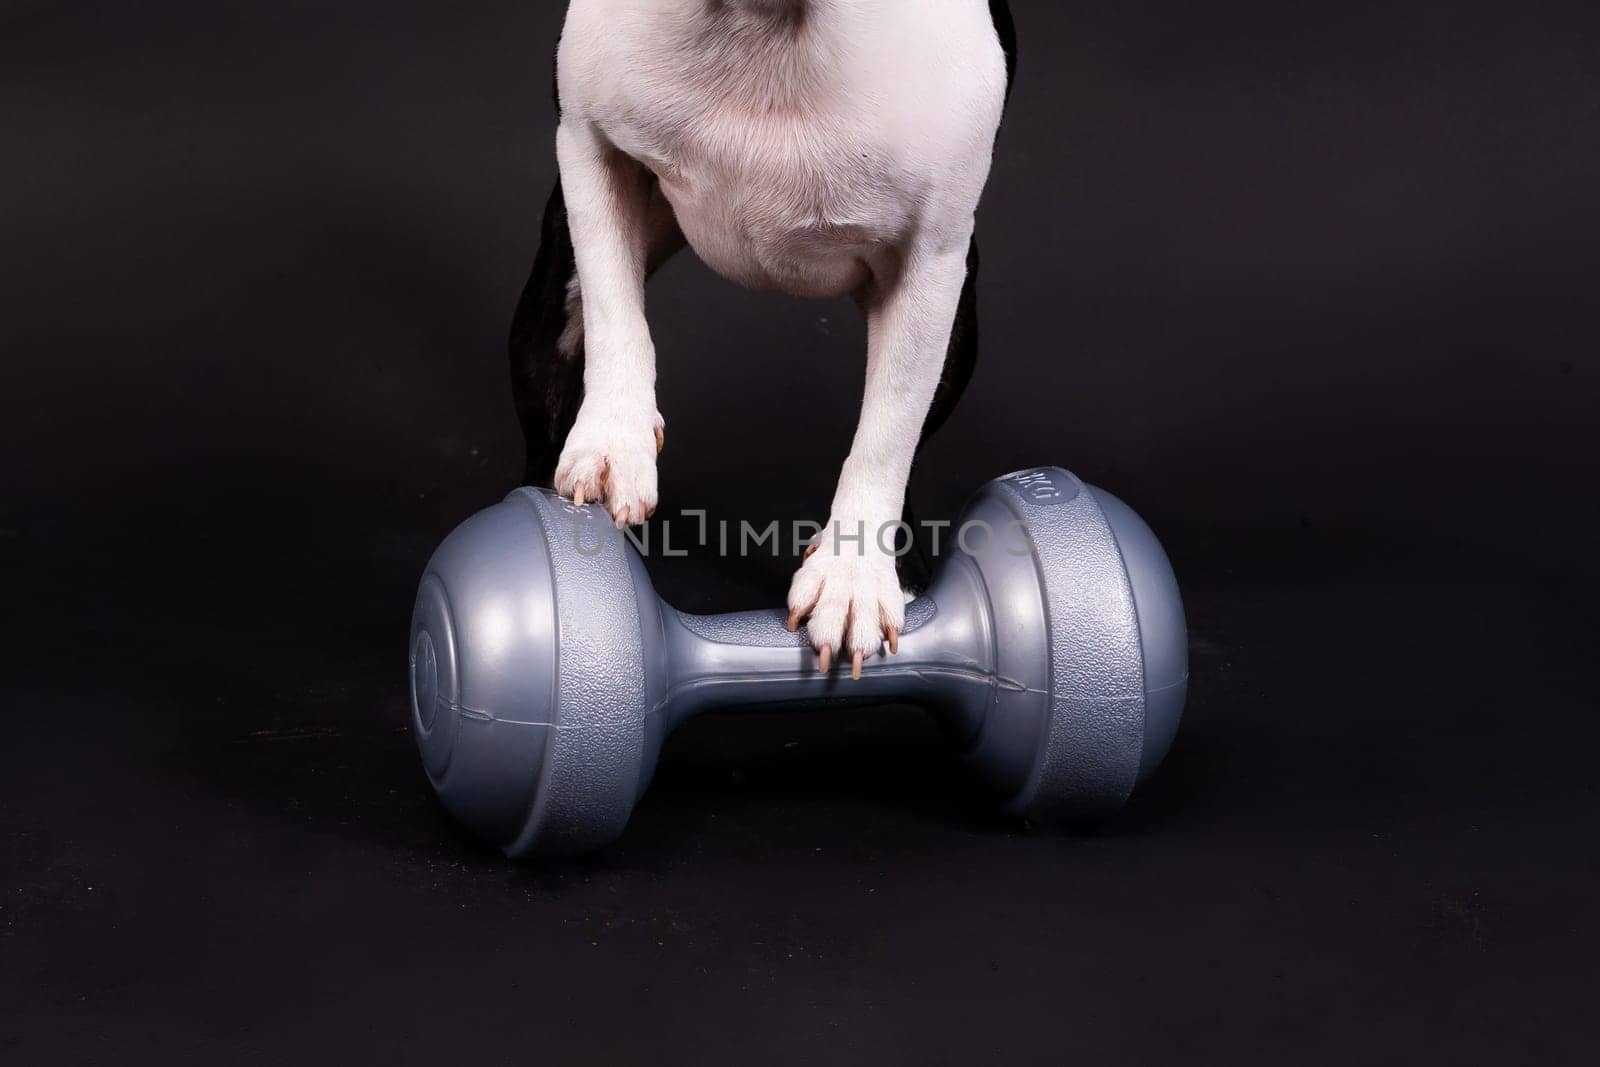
x: 783, y: 782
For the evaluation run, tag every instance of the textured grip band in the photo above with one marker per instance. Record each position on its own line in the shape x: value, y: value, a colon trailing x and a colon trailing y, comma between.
x: 1090, y: 759
x: 592, y: 764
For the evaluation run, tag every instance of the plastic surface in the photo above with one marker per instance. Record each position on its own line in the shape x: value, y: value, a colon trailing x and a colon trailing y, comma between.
x: 546, y: 673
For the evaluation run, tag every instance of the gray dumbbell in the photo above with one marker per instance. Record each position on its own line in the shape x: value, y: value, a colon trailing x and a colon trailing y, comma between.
x: 545, y: 672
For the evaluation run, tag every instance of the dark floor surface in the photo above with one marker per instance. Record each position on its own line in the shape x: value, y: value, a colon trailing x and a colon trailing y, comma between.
x: 1373, y: 842
x: 1312, y: 288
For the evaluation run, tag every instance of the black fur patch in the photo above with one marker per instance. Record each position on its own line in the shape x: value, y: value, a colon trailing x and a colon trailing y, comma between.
x: 546, y: 385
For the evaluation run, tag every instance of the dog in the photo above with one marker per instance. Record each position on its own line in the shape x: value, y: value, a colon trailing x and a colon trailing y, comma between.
x: 815, y: 147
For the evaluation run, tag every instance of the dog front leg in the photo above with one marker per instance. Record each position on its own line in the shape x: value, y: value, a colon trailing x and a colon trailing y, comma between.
x: 610, y: 454
x: 847, y: 587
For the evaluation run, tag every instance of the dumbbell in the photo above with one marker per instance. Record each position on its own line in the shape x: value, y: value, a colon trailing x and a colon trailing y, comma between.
x: 546, y: 673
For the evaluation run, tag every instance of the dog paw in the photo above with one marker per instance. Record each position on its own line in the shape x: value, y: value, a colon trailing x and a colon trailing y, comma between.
x: 851, y: 602
x: 610, y: 460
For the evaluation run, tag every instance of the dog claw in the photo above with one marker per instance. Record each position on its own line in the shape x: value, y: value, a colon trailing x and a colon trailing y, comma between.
x: 661, y: 440
x: 825, y: 659
x: 608, y: 466
x: 793, y: 625
x: 894, y: 641
x: 855, y: 667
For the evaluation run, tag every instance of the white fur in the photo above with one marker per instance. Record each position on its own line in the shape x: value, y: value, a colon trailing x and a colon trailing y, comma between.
x: 818, y: 147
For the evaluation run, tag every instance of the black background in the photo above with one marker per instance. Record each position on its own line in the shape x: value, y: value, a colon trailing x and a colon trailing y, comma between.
x: 1311, y: 286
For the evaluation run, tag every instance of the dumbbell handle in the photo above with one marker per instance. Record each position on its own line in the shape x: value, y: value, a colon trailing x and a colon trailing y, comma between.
x: 946, y: 659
